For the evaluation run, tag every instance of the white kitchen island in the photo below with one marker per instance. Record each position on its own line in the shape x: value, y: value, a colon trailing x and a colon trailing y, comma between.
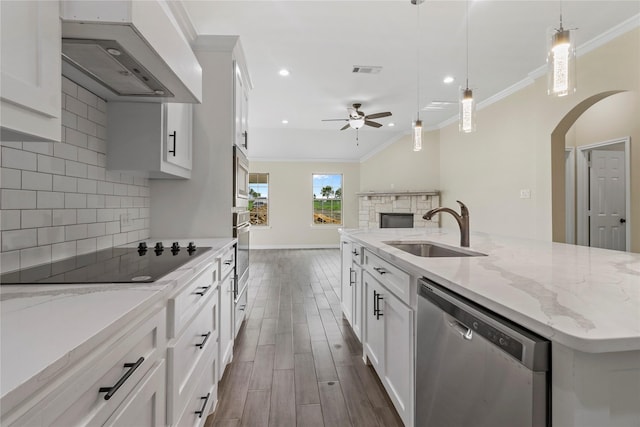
x: 585, y: 301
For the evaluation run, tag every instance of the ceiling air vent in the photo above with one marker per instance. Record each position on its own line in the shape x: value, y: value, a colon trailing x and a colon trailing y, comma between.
x: 366, y: 69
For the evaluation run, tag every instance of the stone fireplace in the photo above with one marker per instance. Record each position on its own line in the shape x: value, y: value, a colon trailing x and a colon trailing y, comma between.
x: 372, y: 204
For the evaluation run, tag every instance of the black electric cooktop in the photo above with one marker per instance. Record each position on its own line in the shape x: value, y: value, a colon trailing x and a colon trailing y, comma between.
x: 113, y: 265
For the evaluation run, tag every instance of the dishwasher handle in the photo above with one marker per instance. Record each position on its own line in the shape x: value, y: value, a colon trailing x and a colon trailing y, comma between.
x: 464, y: 332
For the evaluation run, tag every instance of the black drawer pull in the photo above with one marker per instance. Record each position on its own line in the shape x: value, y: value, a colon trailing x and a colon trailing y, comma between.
x: 380, y: 270
x: 203, y: 290
x: 112, y: 390
x: 242, y: 307
x: 378, y: 297
x: 204, y: 341
x: 228, y: 262
x: 173, y: 135
x: 204, y: 406
x: 355, y: 252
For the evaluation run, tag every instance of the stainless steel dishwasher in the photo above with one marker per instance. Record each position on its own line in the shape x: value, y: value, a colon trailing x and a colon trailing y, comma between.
x: 475, y: 368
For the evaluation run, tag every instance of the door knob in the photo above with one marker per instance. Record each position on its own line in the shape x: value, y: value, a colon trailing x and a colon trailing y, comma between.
x: 622, y: 220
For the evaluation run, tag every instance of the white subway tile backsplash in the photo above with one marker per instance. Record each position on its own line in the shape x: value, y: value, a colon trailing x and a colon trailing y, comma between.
x: 75, y: 200
x: 69, y: 87
x: 75, y: 169
x: 50, y: 164
x: 75, y: 232
x: 11, y: 178
x: 35, y: 256
x: 64, y: 216
x: 19, y: 239
x: 33, y: 218
x: 9, y: 261
x: 75, y: 105
x: 63, y: 250
x: 39, y: 147
x: 97, y: 229
x: 58, y: 199
x: 73, y: 137
x: 87, y: 127
x: 96, y: 172
x: 49, y: 235
x: 86, y: 216
x: 37, y: 181
x: 65, y: 151
x: 18, y: 159
x: 95, y: 201
x: 87, y: 97
x: 50, y: 200
x: 87, y: 156
x: 87, y: 186
x: 66, y: 184
x: 17, y: 199
x: 9, y: 220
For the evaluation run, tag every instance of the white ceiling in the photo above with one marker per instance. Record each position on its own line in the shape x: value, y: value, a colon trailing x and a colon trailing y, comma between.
x: 320, y: 42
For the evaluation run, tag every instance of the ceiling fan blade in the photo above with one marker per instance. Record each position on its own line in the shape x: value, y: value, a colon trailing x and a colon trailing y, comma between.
x: 345, y: 127
x: 372, y: 124
x: 378, y: 115
x: 335, y: 120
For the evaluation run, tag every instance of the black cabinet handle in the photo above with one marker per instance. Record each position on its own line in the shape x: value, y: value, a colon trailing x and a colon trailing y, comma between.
x: 228, y: 262
x: 351, y: 281
x: 375, y: 299
x: 174, y: 136
x: 378, y: 297
x: 112, y: 390
x: 204, y: 341
x: 235, y: 286
x: 380, y: 270
x: 242, y: 307
x: 203, y: 290
x: 246, y: 139
x: 204, y: 406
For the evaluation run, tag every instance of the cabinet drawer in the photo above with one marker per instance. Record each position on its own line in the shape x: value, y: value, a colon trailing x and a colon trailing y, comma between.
x: 184, y: 305
x: 204, y: 397
x: 197, y: 342
x: 240, y: 310
x: 81, y: 401
x: 227, y: 262
x: 396, y: 280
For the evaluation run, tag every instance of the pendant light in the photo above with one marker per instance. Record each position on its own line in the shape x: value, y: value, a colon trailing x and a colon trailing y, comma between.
x: 417, y: 125
x: 561, y: 61
x: 467, y: 120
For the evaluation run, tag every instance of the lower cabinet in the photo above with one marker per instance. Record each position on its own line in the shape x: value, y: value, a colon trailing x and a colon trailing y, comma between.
x: 346, y: 288
x: 388, y: 342
x: 227, y: 327
x: 205, y: 395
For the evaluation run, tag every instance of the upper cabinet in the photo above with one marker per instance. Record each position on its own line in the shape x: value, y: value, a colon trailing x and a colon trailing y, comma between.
x: 150, y: 139
x: 129, y: 51
x: 30, y: 68
x: 241, y: 101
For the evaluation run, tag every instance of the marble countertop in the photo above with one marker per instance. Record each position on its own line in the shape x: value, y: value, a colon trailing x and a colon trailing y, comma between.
x: 47, y: 328
x: 585, y: 298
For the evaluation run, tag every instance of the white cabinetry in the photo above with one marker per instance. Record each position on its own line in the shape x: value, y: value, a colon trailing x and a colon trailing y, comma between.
x: 227, y: 326
x: 30, y: 70
x: 241, y: 101
x: 193, y: 345
x: 351, y: 285
x: 99, y: 389
x: 150, y: 139
x: 346, y: 294
x: 389, y: 331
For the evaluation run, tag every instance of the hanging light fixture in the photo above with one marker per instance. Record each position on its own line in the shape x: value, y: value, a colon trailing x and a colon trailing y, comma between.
x: 417, y: 125
x: 561, y: 61
x: 467, y: 120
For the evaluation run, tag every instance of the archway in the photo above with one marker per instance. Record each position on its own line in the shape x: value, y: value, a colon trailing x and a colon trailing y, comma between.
x: 558, y: 194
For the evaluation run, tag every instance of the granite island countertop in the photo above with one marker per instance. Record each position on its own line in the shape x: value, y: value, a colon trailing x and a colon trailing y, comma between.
x: 46, y: 328
x: 585, y: 298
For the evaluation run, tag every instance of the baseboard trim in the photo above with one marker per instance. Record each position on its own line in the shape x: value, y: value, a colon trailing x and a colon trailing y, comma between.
x: 303, y: 246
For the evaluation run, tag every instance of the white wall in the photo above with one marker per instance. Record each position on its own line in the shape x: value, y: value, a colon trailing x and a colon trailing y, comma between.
x: 291, y: 204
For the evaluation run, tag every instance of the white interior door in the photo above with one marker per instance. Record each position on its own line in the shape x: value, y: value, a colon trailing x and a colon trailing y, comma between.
x: 607, y: 222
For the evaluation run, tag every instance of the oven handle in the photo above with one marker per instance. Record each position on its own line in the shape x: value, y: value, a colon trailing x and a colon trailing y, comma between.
x: 245, y: 226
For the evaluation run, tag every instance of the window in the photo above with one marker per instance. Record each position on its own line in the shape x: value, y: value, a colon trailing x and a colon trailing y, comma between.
x: 327, y: 199
x: 259, y: 198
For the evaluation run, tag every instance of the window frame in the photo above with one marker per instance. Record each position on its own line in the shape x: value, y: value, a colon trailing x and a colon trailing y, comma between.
x: 313, y: 209
x: 267, y: 223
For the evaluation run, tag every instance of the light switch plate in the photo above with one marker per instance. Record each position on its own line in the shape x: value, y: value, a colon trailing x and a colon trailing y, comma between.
x: 525, y: 194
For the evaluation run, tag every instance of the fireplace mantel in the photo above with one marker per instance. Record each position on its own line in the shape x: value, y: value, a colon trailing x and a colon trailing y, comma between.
x: 396, y: 194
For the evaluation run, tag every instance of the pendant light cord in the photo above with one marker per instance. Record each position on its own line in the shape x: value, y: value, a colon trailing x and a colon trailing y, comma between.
x: 467, y: 30
x: 418, y: 61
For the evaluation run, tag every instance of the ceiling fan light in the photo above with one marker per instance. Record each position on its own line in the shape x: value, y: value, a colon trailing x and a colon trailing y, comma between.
x: 356, y: 123
x: 417, y: 135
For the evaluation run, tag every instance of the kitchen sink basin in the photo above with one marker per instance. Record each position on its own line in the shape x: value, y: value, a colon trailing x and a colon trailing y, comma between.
x: 431, y: 249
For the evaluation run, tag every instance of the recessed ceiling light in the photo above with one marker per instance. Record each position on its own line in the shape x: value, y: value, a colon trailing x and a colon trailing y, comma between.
x: 391, y: 124
x: 284, y: 72
x: 448, y: 79
x: 285, y: 121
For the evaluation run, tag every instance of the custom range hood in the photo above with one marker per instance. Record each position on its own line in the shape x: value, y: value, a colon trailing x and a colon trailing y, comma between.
x: 129, y: 51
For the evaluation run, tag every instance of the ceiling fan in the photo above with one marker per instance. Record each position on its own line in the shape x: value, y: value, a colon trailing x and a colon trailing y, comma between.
x: 357, y: 118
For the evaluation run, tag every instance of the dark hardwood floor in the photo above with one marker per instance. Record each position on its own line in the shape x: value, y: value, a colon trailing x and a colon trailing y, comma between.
x: 296, y: 360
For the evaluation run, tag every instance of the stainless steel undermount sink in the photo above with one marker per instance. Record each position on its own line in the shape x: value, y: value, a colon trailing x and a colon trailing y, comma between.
x: 431, y: 249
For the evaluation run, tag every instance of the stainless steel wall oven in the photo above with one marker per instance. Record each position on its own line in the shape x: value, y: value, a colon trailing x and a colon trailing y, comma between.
x: 240, y: 179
